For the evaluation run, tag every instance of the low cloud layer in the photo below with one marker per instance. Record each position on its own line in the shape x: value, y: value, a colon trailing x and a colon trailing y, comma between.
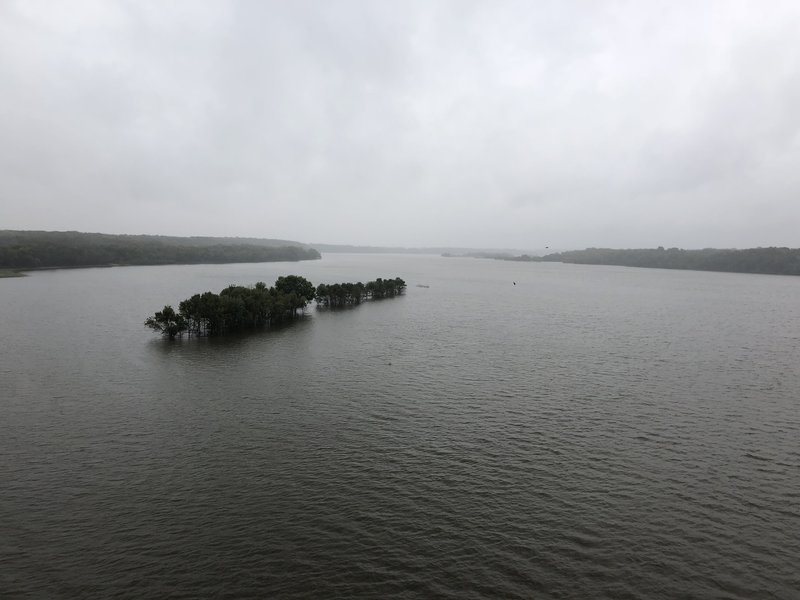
x: 484, y: 124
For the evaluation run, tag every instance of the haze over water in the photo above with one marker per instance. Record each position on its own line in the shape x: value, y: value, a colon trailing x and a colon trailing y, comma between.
x: 592, y: 432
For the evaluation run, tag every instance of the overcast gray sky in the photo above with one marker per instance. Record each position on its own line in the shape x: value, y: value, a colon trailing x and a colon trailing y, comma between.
x: 484, y: 124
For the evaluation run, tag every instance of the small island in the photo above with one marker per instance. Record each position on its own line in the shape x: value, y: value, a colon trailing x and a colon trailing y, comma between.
x: 240, y: 308
x: 343, y: 294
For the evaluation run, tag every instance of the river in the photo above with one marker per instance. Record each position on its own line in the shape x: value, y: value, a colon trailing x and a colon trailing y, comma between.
x: 514, y: 430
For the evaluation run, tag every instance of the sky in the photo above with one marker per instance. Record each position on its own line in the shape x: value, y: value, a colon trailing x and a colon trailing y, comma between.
x: 486, y: 124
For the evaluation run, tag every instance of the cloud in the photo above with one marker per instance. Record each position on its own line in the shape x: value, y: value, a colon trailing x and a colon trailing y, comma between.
x: 468, y: 123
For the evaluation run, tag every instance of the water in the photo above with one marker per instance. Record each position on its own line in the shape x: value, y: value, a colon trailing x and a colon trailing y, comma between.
x: 590, y: 431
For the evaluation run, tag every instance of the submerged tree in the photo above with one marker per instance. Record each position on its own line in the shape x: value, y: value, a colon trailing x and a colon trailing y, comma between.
x: 343, y: 294
x: 299, y: 290
x: 167, y: 322
x: 239, y: 307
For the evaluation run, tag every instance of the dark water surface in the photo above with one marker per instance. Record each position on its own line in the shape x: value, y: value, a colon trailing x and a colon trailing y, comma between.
x: 591, y: 432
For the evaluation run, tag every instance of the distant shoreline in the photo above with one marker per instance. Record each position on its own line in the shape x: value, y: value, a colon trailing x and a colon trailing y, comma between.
x: 24, y: 272
x: 27, y: 251
x: 756, y: 261
x: 7, y: 273
x: 37, y: 250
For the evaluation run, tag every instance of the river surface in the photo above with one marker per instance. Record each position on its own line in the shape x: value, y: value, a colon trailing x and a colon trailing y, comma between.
x: 590, y: 432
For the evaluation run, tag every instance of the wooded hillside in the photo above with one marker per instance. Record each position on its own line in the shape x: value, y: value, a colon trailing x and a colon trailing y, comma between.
x: 49, y: 249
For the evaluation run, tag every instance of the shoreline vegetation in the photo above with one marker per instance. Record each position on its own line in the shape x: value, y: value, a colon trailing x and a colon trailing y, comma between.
x: 10, y: 273
x: 32, y: 250
x: 39, y: 250
x: 765, y: 261
x: 240, y: 308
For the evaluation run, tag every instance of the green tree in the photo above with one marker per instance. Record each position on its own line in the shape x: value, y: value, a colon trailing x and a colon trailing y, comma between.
x: 241, y: 307
x: 301, y: 287
x: 167, y: 322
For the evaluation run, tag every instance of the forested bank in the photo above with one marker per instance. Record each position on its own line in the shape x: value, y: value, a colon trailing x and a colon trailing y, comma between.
x: 767, y: 261
x: 10, y: 273
x: 52, y: 249
x: 238, y: 308
x: 774, y: 261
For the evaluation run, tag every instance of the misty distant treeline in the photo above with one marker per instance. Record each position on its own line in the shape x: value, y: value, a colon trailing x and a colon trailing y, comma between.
x: 238, y: 308
x: 773, y: 261
x: 48, y: 249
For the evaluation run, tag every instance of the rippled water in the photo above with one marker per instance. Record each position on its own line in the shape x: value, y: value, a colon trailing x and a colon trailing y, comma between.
x: 589, y: 432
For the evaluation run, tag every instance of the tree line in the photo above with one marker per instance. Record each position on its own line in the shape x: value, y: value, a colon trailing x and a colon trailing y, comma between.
x: 51, y: 249
x: 343, y: 294
x: 774, y: 261
x: 238, y: 308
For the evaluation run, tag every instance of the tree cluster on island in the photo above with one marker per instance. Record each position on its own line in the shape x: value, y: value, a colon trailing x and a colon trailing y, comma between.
x: 53, y: 249
x: 770, y: 261
x: 344, y: 294
x: 239, y: 308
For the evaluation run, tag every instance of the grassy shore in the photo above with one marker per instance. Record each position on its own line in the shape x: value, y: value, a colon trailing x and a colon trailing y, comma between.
x: 10, y: 273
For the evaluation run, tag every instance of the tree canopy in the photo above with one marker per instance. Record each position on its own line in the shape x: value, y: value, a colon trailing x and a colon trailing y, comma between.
x: 49, y: 249
x: 167, y: 321
x: 342, y: 294
x: 776, y: 261
x: 239, y: 307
